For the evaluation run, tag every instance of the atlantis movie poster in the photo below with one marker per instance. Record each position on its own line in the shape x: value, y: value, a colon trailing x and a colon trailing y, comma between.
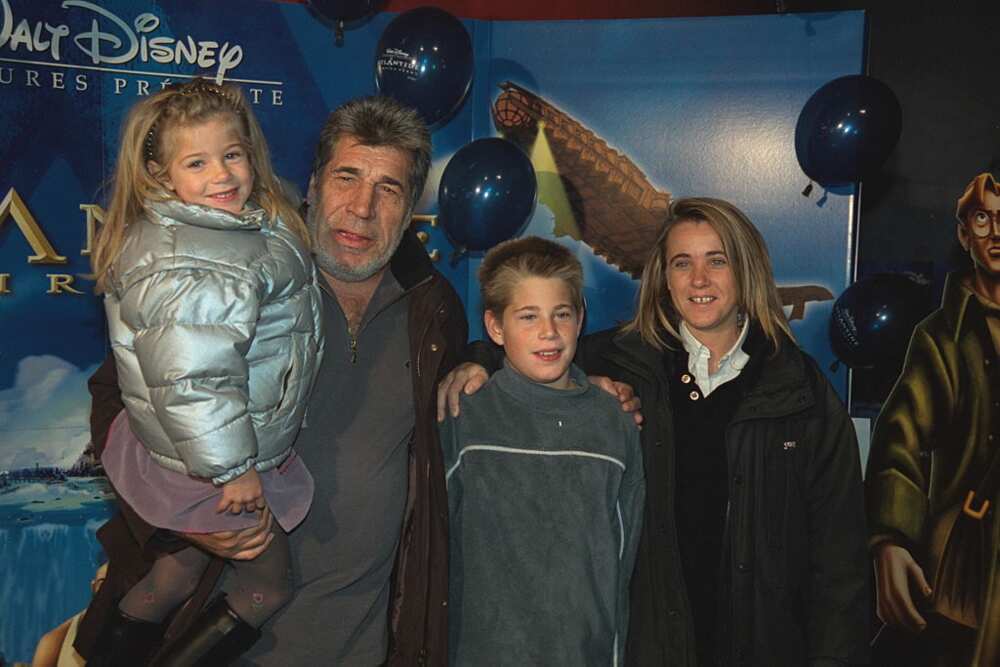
x: 618, y: 117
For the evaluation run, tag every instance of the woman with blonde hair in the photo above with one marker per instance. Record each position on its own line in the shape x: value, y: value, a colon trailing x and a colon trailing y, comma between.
x: 753, y: 549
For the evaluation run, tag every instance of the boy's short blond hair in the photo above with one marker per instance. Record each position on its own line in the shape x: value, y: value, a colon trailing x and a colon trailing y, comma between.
x: 509, y: 262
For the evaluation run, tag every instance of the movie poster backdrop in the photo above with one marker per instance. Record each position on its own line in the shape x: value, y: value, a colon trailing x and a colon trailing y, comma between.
x: 619, y: 117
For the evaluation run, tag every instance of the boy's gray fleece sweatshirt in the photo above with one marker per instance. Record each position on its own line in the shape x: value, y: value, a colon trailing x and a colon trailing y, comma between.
x: 545, y: 492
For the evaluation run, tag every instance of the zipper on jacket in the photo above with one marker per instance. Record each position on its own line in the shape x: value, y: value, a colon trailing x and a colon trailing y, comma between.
x: 353, y: 336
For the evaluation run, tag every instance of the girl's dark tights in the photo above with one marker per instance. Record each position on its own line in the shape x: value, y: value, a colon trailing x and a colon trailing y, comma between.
x: 262, y: 586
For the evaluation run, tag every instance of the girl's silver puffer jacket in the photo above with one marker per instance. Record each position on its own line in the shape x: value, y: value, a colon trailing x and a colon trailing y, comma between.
x: 215, y: 324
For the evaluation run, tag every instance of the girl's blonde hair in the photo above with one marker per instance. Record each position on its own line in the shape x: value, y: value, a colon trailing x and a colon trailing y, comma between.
x: 146, y: 139
x: 748, y: 257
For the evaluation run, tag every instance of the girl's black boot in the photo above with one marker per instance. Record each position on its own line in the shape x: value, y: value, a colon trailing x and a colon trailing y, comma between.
x: 127, y: 642
x: 215, y: 638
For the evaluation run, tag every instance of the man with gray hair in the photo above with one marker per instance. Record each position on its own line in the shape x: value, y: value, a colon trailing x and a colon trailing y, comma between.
x: 370, y: 560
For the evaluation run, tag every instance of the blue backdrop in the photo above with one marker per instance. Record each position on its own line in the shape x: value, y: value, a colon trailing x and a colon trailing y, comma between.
x: 662, y: 108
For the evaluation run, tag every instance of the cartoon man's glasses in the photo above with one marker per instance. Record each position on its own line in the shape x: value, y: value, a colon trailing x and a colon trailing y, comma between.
x: 983, y: 223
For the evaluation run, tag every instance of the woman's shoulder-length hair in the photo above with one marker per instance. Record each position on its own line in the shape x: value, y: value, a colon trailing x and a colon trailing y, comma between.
x: 657, y: 321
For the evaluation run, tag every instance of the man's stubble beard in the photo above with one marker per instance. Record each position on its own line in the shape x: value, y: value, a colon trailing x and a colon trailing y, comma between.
x: 338, y: 271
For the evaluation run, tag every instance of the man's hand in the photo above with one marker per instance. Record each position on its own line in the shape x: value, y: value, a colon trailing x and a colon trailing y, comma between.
x: 244, y: 544
x: 243, y: 494
x: 623, y: 392
x: 896, y: 572
x: 465, y: 378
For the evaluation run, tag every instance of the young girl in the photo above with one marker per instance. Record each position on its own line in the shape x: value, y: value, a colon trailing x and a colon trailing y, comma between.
x: 213, y: 315
x: 545, y: 482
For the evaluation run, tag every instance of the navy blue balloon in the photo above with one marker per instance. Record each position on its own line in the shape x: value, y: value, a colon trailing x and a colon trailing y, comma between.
x: 847, y: 129
x: 424, y: 60
x: 487, y: 194
x: 873, y: 319
x: 343, y: 10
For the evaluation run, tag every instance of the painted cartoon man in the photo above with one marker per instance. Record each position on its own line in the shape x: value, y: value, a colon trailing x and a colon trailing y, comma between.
x: 934, y: 471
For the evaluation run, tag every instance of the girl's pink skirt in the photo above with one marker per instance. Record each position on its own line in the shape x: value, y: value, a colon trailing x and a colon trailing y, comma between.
x: 178, y: 502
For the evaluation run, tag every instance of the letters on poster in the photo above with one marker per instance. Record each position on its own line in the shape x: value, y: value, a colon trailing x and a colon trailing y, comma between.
x: 110, y: 40
x: 38, y: 53
x: 13, y: 209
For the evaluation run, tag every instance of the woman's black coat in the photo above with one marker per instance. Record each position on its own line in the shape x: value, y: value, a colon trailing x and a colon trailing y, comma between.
x: 795, y: 564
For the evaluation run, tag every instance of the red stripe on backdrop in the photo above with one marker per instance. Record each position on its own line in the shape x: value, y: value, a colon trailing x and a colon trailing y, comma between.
x: 583, y: 9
